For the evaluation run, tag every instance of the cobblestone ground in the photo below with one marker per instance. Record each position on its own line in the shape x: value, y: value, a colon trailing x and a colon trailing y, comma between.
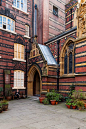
x: 30, y: 114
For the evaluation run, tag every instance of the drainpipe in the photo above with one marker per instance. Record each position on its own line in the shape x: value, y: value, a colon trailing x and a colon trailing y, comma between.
x: 33, y: 18
x: 71, y: 18
x: 26, y: 71
x: 35, y: 26
x: 58, y: 41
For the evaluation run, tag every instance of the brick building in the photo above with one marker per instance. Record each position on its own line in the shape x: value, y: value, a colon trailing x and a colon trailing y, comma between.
x: 50, y: 18
x: 20, y: 20
x: 15, y: 31
x: 56, y: 59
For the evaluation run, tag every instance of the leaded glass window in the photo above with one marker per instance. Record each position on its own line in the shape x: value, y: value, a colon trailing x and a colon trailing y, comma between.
x: 69, y: 58
x: 70, y: 62
x: 65, y: 63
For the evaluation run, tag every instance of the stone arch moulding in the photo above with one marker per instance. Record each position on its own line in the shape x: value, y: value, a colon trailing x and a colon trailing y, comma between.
x: 30, y: 79
x: 19, y: 39
x: 62, y: 55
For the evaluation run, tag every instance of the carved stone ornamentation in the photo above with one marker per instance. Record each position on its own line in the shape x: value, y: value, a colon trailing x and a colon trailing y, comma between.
x: 44, y: 69
x: 81, y: 19
x: 34, y: 52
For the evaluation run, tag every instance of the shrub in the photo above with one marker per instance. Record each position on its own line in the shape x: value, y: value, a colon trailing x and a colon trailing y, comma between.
x: 45, y: 101
x: 80, y: 104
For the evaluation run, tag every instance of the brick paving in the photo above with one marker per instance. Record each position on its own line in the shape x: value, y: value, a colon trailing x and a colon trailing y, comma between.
x: 30, y: 114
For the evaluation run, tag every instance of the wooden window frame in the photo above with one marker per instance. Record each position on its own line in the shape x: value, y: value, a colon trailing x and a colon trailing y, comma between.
x: 18, y: 80
x: 20, y: 8
x: 11, y: 20
x: 18, y: 52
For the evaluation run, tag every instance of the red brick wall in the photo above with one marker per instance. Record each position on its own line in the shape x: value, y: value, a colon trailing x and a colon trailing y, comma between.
x: 7, y: 40
x: 48, y: 24
x: 56, y: 23
x: 69, y: 15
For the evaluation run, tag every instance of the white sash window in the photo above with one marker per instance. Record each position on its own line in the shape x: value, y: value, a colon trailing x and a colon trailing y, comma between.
x: 20, y: 4
x: 7, y: 23
x: 18, y: 79
x: 18, y: 51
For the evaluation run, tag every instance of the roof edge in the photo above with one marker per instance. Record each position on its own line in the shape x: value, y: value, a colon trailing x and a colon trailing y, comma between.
x: 62, y: 34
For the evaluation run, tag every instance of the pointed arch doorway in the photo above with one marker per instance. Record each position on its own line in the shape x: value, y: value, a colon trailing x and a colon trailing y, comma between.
x: 34, y: 85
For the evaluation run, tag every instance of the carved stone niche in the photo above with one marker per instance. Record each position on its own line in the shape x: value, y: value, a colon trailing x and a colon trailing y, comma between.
x: 81, y: 19
x: 34, y: 52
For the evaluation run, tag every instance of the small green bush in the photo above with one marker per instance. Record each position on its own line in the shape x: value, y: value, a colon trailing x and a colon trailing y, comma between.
x: 46, y: 101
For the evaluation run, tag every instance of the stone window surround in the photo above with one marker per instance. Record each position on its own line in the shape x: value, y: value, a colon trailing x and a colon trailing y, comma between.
x: 62, y: 59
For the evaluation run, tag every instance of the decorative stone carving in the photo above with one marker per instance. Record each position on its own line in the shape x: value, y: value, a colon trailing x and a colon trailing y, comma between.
x: 34, y: 52
x: 81, y: 19
x: 44, y: 69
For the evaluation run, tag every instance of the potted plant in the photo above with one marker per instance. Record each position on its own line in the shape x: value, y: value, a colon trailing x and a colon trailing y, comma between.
x: 41, y: 99
x: 45, y: 101
x: 85, y: 105
x: 1, y: 109
x: 49, y: 96
x: 68, y: 102
x: 74, y: 105
x: 68, y: 105
x: 9, y: 94
x: 4, y: 104
x: 80, y: 104
x: 53, y: 95
x: 57, y: 98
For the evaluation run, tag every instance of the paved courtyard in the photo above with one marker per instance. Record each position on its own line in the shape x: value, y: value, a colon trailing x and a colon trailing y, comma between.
x: 30, y: 114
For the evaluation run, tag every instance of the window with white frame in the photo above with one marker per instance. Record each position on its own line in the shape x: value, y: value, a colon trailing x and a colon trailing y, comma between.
x: 7, y: 23
x: 20, y: 4
x: 18, y: 79
x: 18, y: 51
x: 27, y: 30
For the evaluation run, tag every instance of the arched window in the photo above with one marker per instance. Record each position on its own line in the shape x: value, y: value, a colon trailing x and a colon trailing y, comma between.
x: 67, y: 58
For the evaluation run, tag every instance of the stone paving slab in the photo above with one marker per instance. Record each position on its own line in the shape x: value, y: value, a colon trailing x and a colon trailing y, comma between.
x: 30, y: 114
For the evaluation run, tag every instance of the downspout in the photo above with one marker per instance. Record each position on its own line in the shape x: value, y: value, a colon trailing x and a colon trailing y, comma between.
x: 71, y: 18
x: 58, y: 41
x: 32, y: 19
x: 26, y: 71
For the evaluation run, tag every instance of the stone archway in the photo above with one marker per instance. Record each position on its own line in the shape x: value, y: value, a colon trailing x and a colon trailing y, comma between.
x: 69, y: 40
x: 34, y: 86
